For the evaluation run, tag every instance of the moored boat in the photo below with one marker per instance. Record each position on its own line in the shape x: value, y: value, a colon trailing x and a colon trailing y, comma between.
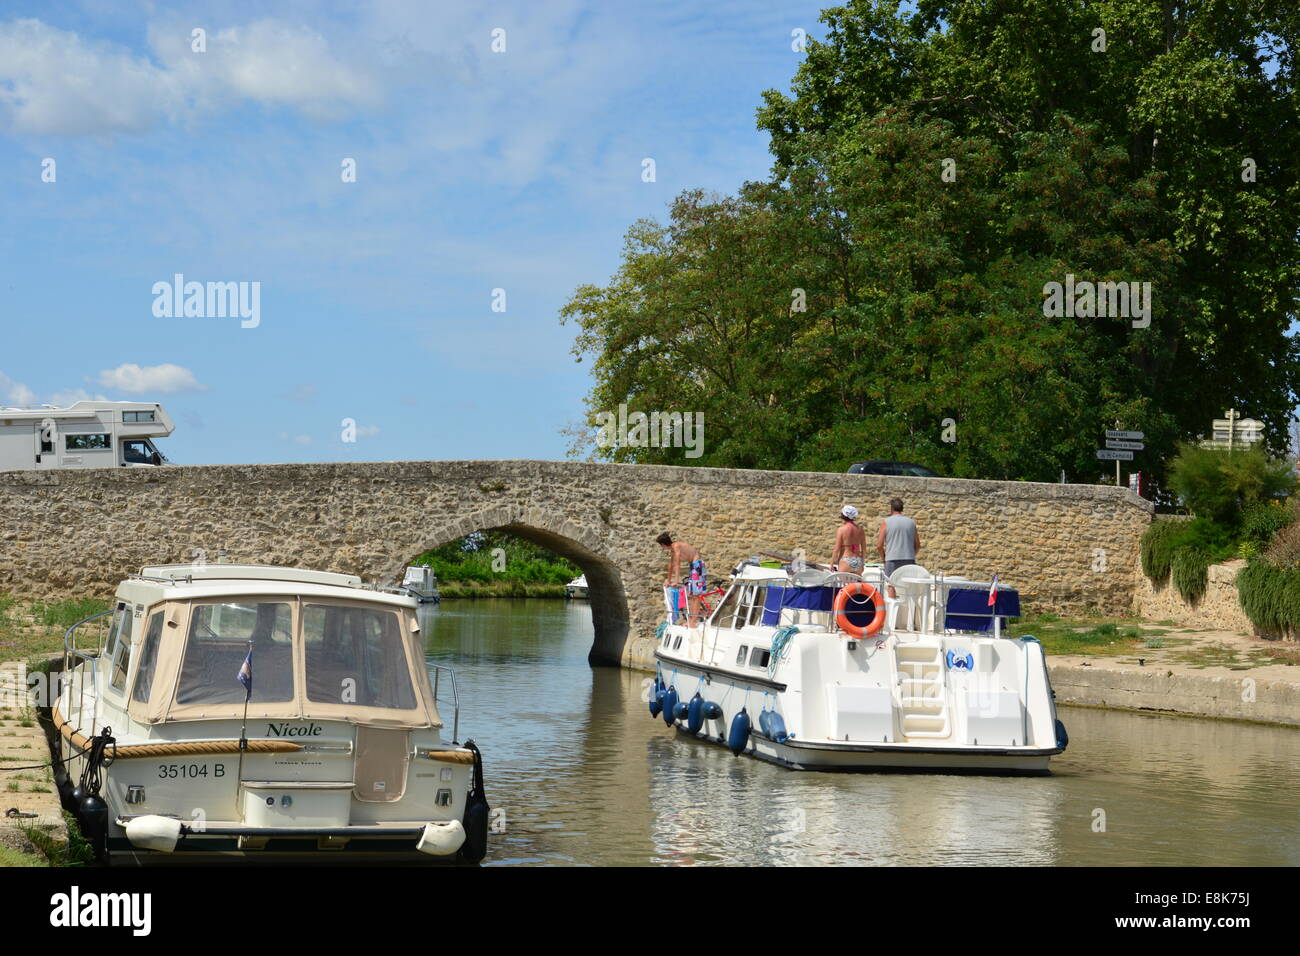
x: 422, y: 584
x: 263, y: 713
x: 820, y: 670
x: 577, y: 588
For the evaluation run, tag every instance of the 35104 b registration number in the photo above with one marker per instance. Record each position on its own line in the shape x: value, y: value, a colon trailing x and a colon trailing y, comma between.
x: 174, y: 771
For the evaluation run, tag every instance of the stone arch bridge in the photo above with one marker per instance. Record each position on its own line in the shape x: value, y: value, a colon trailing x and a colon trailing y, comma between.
x: 77, y: 533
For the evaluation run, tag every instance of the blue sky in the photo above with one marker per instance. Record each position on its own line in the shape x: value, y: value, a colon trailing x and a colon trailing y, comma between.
x: 475, y: 170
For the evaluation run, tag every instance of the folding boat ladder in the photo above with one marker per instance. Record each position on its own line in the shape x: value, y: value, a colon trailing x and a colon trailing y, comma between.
x: 922, y: 692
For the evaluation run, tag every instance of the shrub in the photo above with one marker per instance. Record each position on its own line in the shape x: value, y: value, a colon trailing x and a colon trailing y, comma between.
x: 1284, y: 551
x: 1270, y: 596
x: 1215, y: 540
x: 1217, y: 484
x: 1158, y: 549
x: 1262, y: 520
x: 1190, y: 571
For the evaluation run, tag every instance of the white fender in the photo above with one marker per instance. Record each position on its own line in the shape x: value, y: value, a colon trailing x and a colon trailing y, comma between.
x: 441, y: 839
x: 152, y: 832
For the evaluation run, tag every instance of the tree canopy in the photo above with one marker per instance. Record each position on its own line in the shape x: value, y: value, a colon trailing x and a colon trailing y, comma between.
x: 882, y: 294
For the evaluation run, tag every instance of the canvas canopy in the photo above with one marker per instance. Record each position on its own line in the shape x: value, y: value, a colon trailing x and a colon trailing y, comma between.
x: 312, y: 657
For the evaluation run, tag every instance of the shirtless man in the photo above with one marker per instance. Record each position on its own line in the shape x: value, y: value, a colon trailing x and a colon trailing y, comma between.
x: 850, y: 543
x: 682, y: 555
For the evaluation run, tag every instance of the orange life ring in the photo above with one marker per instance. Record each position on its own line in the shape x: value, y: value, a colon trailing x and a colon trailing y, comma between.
x: 842, y: 617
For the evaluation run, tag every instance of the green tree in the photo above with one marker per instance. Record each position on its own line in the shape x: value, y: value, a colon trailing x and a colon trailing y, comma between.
x: 933, y: 170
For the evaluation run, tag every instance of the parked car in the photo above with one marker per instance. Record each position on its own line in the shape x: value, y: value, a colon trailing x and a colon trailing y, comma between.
x: 904, y: 468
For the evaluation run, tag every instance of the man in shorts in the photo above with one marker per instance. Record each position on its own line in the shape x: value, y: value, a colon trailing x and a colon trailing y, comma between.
x: 682, y: 555
x: 898, y: 542
x: 850, y: 543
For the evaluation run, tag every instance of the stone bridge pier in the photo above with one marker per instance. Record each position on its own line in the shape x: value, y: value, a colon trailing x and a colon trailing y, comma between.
x: 77, y: 533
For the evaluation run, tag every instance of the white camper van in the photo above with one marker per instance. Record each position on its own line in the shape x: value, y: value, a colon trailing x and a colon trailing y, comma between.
x: 83, y: 435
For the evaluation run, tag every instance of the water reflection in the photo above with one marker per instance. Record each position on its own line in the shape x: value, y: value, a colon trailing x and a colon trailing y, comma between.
x: 585, y: 776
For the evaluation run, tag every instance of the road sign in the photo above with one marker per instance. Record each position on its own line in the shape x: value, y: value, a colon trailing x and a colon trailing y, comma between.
x: 1108, y: 455
x: 1130, y: 445
x: 1133, y: 436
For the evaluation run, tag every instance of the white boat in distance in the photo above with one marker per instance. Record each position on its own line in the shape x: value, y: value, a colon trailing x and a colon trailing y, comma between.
x: 577, y: 588
x: 422, y: 584
x: 819, y: 670
x: 263, y: 713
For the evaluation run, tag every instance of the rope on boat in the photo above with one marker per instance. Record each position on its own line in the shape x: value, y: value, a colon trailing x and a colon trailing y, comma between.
x: 92, y: 774
x: 780, y: 647
x: 171, y: 748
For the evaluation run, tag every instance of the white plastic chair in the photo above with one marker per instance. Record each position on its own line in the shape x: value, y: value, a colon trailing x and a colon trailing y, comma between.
x: 912, y: 583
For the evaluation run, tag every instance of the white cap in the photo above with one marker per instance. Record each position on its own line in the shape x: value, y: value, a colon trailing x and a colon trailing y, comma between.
x: 849, y: 512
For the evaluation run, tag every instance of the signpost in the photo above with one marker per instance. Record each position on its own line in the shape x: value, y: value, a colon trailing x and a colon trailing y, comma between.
x: 1120, y: 446
x: 1233, y: 431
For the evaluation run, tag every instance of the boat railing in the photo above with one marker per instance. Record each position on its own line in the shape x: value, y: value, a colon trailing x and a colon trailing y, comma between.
x: 72, y: 654
x: 455, y: 697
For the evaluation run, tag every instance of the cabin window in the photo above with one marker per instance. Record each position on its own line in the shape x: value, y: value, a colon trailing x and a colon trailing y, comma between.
x: 759, y: 657
x: 725, y: 615
x: 138, y: 416
x: 148, y: 659
x: 740, y: 654
x: 355, y: 655
x: 96, y: 442
x: 752, y: 604
x: 123, y: 660
x: 218, y: 642
x: 677, y: 643
x: 139, y: 453
x: 119, y: 616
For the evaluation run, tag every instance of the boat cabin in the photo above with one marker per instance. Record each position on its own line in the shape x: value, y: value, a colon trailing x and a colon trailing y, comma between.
x: 323, y: 647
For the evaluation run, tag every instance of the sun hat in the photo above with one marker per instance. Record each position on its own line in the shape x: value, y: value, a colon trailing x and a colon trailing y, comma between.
x: 849, y: 512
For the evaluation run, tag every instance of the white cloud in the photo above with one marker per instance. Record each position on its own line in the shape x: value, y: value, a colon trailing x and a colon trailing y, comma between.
x: 15, y: 393
x: 54, y: 82
x: 297, y: 439
x: 367, y: 431
x: 70, y: 396
x: 164, y: 379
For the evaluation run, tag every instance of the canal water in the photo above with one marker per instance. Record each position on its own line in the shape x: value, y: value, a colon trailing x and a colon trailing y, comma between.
x: 578, y: 773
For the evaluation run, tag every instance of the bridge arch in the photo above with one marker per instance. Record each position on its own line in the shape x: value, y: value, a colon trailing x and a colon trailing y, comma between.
x: 610, y: 616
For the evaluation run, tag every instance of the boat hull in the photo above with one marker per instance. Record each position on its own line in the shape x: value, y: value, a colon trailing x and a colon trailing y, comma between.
x: 926, y: 756
x: 900, y: 759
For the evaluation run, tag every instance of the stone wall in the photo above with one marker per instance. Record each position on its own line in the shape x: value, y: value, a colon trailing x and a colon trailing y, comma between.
x: 1218, y: 609
x: 1067, y: 547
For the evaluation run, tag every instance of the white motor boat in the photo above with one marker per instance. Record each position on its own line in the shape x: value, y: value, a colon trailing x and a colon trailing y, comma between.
x: 263, y: 713
x: 820, y: 670
x: 577, y: 588
x: 422, y: 584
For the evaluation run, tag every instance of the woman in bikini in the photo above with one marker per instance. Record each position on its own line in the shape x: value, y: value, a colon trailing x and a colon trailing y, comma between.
x: 850, y: 543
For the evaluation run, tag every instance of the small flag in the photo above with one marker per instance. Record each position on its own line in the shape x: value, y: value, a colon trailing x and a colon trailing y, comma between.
x: 993, y: 592
x: 246, y: 674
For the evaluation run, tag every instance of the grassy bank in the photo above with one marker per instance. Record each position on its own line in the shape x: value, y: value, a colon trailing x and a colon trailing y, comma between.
x: 515, y: 589
x: 1135, y: 637
x: 32, y: 628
